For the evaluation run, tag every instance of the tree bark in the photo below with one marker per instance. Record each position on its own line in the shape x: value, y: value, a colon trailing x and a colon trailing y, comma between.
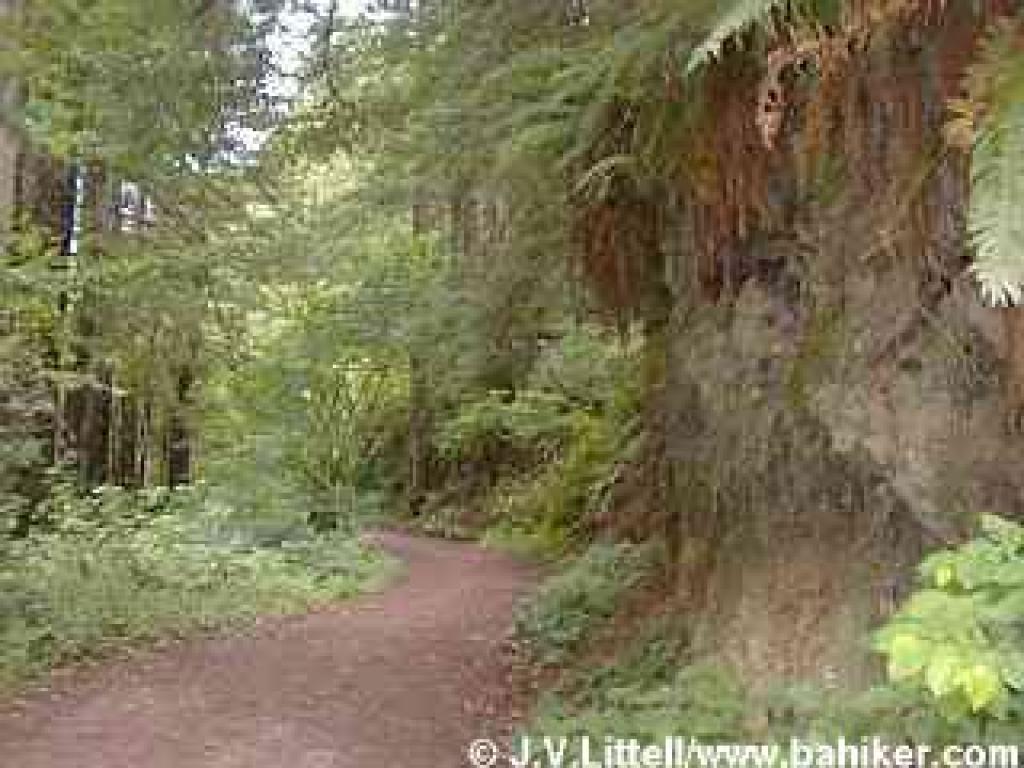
x: 179, y: 437
x: 419, y: 436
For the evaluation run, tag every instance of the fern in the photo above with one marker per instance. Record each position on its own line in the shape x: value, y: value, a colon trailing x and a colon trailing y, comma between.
x: 996, y: 224
x: 597, y: 182
x: 737, y: 16
x: 996, y: 91
x: 740, y: 15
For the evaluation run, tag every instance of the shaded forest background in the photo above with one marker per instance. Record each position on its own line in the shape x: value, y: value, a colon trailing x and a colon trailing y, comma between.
x: 735, y: 282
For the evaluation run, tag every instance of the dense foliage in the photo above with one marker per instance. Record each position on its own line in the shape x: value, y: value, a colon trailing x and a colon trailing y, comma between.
x: 960, y: 636
x: 953, y: 652
x: 566, y: 610
x: 440, y: 283
x: 117, y: 566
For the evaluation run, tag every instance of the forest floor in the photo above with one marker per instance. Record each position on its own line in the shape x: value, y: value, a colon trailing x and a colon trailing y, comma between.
x: 408, y: 677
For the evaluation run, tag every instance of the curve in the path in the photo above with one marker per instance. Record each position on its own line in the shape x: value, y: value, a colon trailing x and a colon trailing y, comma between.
x: 403, y: 679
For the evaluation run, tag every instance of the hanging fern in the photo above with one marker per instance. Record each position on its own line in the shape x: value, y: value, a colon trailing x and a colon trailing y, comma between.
x: 737, y: 16
x: 740, y: 15
x: 993, y: 116
x: 996, y: 221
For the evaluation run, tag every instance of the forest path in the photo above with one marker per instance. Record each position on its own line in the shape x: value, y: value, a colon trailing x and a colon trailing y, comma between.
x: 405, y: 678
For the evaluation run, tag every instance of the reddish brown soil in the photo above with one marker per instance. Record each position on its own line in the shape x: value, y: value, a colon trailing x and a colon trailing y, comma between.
x: 403, y: 679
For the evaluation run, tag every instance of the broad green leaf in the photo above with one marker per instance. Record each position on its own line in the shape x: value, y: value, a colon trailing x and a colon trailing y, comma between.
x: 907, y: 656
x: 941, y: 676
x: 1013, y: 670
x: 981, y: 684
x: 944, y: 576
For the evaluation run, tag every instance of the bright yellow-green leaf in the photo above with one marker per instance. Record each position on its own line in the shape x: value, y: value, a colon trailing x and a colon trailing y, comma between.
x: 1013, y: 671
x: 941, y: 675
x: 982, y: 686
x: 944, y: 576
x: 907, y: 656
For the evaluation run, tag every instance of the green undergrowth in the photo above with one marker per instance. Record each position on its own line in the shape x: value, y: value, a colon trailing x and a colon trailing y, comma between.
x: 659, y: 684
x: 655, y: 689
x: 557, y: 620
x: 699, y: 701
x: 542, y: 514
x: 121, y: 568
x: 528, y: 542
x: 537, y: 462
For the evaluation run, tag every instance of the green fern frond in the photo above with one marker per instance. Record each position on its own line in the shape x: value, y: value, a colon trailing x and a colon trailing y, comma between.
x: 596, y: 182
x: 737, y: 16
x: 996, y: 213
x: 996, y: 223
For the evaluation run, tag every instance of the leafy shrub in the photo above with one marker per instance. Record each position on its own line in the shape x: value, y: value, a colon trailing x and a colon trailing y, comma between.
x: 525, y: 538
x: 960, y: 639
x: 541, y: 458
x: 555, y: 621
x: 482, y: 427
x: 954, y: 651
x: 591, y: 370
x: 552, y: 504
x: 124, y: 566
x: 583, y: 378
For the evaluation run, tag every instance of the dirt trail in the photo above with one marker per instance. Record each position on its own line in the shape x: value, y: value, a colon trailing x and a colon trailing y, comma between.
x: 403, y: 679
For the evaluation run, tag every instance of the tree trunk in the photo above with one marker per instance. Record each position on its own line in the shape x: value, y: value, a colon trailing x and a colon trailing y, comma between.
x: 1013, y: 323
x: 179, y: 438
x: 419, y: 435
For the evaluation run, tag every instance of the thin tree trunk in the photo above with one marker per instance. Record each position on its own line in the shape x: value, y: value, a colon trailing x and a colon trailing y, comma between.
x: 419, y: 435
x: 179, y: 439
x: 145, y: 436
